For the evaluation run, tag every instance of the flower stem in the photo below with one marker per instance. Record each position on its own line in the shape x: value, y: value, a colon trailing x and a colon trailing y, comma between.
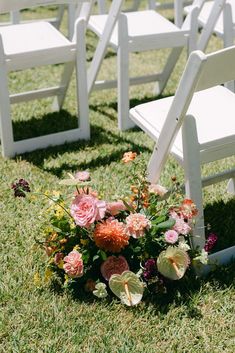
x: 57, y: 203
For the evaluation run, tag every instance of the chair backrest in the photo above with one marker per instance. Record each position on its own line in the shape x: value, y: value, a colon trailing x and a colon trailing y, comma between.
x: 201, y: 72
x: 191, y: 23
x: 218, y: 68
x: 13, y: 5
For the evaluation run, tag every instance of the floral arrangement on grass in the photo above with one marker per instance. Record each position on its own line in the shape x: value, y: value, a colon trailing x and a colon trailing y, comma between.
x: 130, y: 247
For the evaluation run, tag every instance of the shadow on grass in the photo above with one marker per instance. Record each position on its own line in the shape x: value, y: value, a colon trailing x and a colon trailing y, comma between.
x: 103, y: 108
x: 220, y: 216
x: 185, y: 293
x: 63, y: 120
x: 43, y: 125
x: 99, y: 136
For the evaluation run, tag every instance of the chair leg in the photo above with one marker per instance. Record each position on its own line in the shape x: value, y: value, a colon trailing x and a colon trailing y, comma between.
x: 155, y: 165
x: 231, y: 186
x: 124, y: 122
x: 71, y: 20
x: 81, y: 77
x: 64, y: 84
x: 59, y: 17
x: 228, y: 37
x: 6, y: 130
x: 169, y: 67
x: 193, y: 183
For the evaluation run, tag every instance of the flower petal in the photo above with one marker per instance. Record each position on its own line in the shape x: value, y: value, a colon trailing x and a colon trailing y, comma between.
x: 173, y: 263
x: 127, y: 287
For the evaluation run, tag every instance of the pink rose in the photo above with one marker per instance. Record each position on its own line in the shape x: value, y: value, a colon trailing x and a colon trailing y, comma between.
x: 115, y: 207
x: 137, y: 224
x: 113, y: 265
x: 73, y: 265
x: 86, y: 209
x: 180, y: 226
x: 82, y: 176
x: 171, y: 236
x: 157, y: 189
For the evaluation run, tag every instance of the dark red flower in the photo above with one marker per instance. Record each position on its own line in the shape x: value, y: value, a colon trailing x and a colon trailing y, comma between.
x: 20, y: 188
x: 210, y: 242
x: 150, y: 269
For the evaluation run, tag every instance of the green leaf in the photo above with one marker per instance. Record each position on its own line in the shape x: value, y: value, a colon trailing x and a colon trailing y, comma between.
x: 96, y: 257
x: 158, y: 220
x: 136, y: 249
x: 74, y: 182
x: 166, y: 225
x: 127, y: 287
x: 102, y: 254
x: 85, y: 256
x: 129, y: 208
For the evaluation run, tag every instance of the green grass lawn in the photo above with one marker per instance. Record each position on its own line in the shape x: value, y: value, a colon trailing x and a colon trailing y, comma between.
x: 46, y: 320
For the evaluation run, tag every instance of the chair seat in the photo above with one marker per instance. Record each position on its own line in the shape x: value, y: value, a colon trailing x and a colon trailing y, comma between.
x: 214, y: 122
x: 27, y: 39
x: 140, y: 24
x: 205, y: 12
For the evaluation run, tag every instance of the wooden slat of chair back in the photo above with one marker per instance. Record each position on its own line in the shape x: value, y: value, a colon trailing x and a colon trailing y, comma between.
x: 219, y: 68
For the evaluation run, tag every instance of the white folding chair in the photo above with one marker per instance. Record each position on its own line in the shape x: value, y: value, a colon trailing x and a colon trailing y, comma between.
x: 15, y: 17
x: 141, y: 31
x: 196, y: 126
x: 34, y: 44
x: 178, y: 10
x: 225, y: 26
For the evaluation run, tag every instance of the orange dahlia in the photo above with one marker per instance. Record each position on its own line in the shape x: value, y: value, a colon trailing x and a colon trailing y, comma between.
x: 110, y: 235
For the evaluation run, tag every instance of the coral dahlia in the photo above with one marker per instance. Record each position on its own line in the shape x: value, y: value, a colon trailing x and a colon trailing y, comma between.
x: 110, y: 235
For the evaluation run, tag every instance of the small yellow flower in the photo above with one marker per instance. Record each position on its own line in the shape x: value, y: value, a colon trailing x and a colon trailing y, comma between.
x: 59, y: 211
x: 56, y: 193
x: 72, y: 224
x: 60, y: 264
x: 84, y: 242
x: 76, y: 247
x: 48, y: 275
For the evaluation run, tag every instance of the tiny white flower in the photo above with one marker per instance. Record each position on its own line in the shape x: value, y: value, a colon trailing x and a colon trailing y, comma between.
x: 182, y: 244
x: 203, y: 257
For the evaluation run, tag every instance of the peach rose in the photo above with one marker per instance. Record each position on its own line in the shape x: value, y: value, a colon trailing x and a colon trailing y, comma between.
x: 86, y: 209
x: 82, y: 176
x: 157, y: 189
x: 73, y: 264
x: 115, y: 207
